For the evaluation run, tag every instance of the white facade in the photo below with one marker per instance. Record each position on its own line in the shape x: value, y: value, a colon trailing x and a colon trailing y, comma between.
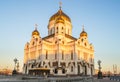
x: 59, y: 53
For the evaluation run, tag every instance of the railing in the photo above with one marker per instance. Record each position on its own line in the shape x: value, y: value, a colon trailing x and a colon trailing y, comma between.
x: 115, y: 78
x: 49, y: 79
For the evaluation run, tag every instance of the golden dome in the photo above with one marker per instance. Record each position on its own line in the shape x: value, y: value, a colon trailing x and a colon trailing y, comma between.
x: 59, y: 20
x: 83, y: 33
x: 60, y: 13
x: 35, y: 32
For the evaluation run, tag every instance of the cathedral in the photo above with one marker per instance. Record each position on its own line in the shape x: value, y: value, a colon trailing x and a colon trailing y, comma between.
x: 59, y: 53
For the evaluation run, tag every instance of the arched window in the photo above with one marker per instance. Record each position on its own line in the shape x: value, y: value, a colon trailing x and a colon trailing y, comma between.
x: 56, y: 71
x: 71, y: 68
x: 63, y: 71
x: 71, y: 55
x: 62, y: 28
x: 45, y: 66
x: 78, y: 54
x: 36, y: 39
x: 32, y: 66
x: 57, y: 30
x: 68, y: 31
x: 82, y: 39
x: 46, y: 54
x: 39, y: 65
x: 62, y: 55
x: 55, y: 54
x: 85, y: 44
x: 33, y: 43
x: 51, y: 31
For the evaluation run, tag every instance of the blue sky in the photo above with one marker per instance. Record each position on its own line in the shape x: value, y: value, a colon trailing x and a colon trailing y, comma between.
x: 101, y: 19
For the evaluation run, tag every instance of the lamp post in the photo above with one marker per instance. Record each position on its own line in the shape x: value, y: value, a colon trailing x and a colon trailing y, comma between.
x: 15, y: 60
x: 16, y: 67
x: 115, y: 69
x: 99, y: 72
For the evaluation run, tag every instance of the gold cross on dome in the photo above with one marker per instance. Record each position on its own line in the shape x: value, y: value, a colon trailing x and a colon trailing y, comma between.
x: 36, y: 25
x: 60, y: 3
x: 83, y: 27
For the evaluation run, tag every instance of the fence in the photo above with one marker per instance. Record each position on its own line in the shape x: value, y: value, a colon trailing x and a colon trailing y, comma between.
x: 43, y: 79
x: 115, y: 78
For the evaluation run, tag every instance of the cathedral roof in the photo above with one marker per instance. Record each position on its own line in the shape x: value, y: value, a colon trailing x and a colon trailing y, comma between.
x: 71, y: 37
x: 60, y: 13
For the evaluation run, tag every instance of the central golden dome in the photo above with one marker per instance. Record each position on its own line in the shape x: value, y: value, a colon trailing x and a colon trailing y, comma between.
x: 60, y: 13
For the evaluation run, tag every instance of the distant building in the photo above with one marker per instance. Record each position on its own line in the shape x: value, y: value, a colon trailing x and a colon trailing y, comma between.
x: 59, y: 53
x: 5, y: 71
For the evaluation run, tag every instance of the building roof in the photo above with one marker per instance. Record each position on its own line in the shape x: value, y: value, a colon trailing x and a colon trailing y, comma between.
x: 58, y: 14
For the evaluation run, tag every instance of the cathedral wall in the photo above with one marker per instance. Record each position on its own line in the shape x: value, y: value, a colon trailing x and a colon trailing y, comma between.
x: 59, y: 52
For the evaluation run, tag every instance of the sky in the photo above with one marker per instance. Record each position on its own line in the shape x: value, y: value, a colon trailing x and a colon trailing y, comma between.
x: 101, y: 19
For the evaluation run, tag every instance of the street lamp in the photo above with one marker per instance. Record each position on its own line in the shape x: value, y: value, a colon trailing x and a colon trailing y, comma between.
x: 15, y: 60
x: 16, y: 67
x: 99, y: 72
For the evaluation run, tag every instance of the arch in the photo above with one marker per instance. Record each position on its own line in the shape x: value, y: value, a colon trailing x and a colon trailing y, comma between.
x: 56, y: 71
x: 39, y: 65
x: 32, y: 65
x: 46, y: 66
x: 71, y: 67
x: 63, y: 70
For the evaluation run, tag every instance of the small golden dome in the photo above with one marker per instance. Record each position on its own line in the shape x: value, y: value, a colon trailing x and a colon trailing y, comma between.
x: 83, y: 33
x: 35, y: 32
x: 60, y: 13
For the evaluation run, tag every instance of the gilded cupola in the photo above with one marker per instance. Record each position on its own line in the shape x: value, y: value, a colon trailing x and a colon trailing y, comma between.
x: 59, y: 14
x: 35, y: 32
x: 83, y: 33
x: 59, y: 23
